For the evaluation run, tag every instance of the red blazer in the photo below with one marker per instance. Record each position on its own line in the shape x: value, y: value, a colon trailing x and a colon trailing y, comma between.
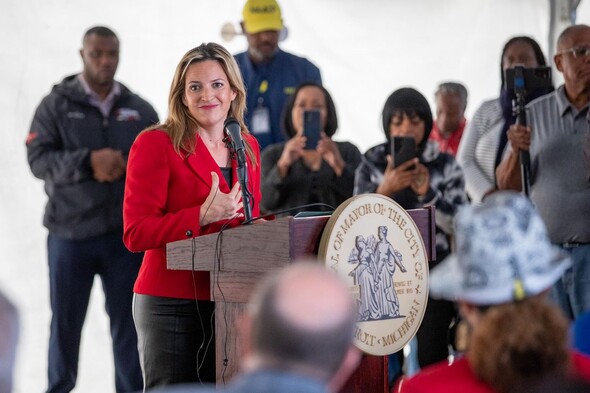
x: 164, y: 192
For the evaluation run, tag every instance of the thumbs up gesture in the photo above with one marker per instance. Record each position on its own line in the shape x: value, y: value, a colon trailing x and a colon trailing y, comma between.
x: 219, y: 206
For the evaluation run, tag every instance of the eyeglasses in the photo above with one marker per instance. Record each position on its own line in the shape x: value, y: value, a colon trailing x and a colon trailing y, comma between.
x: 578, y: 52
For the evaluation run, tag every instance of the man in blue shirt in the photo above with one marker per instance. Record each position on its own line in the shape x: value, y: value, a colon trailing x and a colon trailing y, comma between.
x: 270, y: 74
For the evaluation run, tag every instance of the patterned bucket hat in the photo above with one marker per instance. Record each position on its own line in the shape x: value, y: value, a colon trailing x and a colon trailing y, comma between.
x: 503, y: 254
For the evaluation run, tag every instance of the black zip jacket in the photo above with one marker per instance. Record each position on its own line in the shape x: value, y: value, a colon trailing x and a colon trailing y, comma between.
x: 65, y: 129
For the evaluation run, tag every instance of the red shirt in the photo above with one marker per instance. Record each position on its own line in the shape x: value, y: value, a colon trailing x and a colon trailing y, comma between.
x: 459, y: 377
x: 451, y: 144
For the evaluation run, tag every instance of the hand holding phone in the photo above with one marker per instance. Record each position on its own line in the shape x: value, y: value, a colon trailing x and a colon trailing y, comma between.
x: 311, y: 128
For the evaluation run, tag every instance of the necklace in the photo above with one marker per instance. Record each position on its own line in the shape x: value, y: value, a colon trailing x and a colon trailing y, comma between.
x: 214, y: 141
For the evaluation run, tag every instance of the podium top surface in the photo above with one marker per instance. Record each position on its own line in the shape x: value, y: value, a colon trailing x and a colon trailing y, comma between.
x: 269, y: 244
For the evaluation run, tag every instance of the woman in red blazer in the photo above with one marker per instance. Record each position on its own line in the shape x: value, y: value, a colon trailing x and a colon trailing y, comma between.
x: 182, y: 183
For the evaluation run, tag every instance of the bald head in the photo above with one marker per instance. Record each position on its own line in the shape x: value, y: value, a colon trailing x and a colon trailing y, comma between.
x: 564, y: 41
x: 311, y: 298
x: 304, y: 317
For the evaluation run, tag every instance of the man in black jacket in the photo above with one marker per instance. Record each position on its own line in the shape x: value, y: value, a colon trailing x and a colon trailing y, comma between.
x: 78, y: 144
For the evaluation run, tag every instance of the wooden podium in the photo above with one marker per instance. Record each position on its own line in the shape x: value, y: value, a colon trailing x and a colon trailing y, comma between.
x: 239, y: 257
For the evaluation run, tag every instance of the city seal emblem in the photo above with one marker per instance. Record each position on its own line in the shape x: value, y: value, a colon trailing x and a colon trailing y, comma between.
x: 375, y: 246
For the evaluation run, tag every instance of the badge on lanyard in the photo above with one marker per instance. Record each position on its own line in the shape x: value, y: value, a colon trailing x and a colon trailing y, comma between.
x: 260, y: 117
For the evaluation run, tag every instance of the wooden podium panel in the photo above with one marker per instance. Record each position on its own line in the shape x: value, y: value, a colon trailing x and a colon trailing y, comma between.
x: 239, y: 257
x: 255, y: 248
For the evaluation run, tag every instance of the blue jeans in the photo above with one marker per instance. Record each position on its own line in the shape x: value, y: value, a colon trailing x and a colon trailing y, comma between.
x: 72, y: 267
x: 572, y: 291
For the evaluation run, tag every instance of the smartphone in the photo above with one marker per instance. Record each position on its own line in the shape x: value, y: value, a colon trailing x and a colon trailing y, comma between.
x: 311, y: 128
x: 403, y: 148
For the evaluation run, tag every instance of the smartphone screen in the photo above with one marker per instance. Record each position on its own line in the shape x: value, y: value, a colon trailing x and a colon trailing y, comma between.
x: 311, y: 128
x: 403, y: 148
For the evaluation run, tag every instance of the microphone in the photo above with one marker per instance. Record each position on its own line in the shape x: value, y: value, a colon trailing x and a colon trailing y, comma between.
x: 234, y: 132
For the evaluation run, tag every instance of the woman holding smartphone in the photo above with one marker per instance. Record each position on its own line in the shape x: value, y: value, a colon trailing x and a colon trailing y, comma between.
x: 294, y: 174
x: 431, y: 178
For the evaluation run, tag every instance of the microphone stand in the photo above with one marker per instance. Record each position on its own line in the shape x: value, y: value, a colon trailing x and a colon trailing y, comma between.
x: 243, y: 180
x: 520, y: 111
x: 233, y: 132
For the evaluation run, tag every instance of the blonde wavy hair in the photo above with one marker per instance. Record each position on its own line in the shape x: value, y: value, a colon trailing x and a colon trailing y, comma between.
x: 517, y: 344
x: 180, y: 125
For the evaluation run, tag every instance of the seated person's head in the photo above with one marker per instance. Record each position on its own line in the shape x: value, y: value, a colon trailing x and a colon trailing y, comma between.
x: 302, y: 321
x: 9, y: 332
x: 503, y: 267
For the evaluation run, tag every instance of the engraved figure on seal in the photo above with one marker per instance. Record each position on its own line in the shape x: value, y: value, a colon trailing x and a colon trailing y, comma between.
x: 364, y: 277
x: 387, y: 258
x: 376, y: 262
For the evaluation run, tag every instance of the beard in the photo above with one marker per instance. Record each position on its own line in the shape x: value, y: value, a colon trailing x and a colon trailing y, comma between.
x: 263, y: 55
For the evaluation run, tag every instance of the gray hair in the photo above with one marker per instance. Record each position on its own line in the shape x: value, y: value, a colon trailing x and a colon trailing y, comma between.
x: 453, y: 88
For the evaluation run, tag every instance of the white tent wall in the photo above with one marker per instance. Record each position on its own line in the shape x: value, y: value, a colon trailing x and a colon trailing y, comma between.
x: 365, y: 50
